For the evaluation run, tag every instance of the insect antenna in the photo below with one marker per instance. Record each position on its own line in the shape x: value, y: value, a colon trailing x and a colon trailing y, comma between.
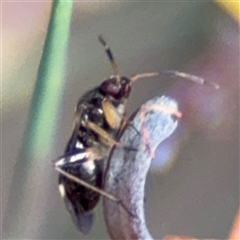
x: 110, y: 56
x: 190, y: 77
x: 143, y: 75
x: 174, y: 73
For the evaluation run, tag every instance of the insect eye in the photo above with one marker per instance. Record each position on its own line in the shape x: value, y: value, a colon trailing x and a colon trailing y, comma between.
x: 127, y: 87
x: 110, y: 87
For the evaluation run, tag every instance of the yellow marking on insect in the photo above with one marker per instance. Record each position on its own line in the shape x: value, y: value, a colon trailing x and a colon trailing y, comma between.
x: 111, y: 115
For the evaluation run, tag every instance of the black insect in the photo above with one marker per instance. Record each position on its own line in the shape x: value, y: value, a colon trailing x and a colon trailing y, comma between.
x: 99, y: 116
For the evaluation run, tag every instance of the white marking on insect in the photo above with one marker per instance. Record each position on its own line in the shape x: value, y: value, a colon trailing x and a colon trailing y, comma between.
x: 79, y: 145
x: 78, y: 157
x: 89, y: 166
x: 100, y: 110
x: 60, y: 162
x: 62, y: 190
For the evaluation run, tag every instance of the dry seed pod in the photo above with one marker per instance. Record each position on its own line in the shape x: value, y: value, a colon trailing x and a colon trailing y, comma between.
x: 127, y: 170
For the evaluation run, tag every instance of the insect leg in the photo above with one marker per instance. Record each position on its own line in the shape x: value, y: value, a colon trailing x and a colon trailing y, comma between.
x: 85, y: 184
x: 158, y: 108
x: 93, y: 188
x: 111, y: 58
x: 104, y: 135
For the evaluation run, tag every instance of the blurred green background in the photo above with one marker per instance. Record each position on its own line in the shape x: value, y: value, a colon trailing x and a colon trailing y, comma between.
x: 199, y: 195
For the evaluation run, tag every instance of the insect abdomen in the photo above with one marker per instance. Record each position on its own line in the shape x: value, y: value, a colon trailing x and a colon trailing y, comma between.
x: 80, y: 201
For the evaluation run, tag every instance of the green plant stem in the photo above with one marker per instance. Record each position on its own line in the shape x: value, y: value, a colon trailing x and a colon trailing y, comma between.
x: 23, y: 216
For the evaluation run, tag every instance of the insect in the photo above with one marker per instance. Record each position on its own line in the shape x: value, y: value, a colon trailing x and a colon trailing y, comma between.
x: 100, y: 115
